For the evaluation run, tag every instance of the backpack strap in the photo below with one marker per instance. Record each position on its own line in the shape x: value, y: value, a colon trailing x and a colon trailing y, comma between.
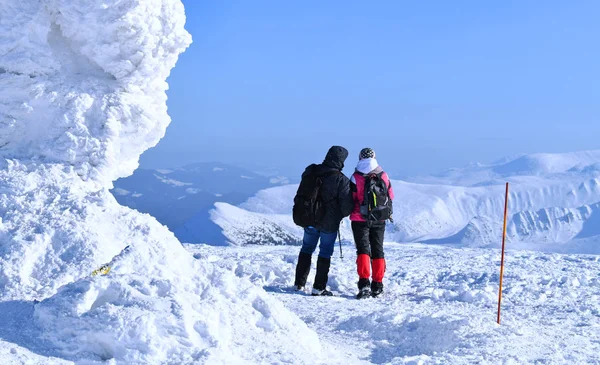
x: 385, y: 185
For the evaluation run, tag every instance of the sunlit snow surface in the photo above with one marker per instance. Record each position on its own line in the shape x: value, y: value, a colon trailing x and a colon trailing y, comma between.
x: 82, y: 95
x: 440, y: 304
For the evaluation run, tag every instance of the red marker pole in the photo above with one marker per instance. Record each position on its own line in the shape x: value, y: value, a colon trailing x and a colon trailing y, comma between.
x: 503, y: 245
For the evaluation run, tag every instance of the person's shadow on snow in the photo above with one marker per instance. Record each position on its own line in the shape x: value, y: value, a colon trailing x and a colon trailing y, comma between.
x: 17, y: 326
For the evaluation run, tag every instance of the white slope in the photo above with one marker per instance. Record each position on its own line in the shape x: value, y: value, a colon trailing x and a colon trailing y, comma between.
x: 82, y: 96
x: 242, y: 227
x: 538, y: 164
x: 440, y: 304
x: 546, y: 211
x: 274, y: 200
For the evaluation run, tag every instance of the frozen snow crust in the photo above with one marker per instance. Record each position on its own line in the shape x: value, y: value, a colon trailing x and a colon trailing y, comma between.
x: 159, y: 306
x: 82, y: 96
x: 440, y: 304
x: 85, y: 84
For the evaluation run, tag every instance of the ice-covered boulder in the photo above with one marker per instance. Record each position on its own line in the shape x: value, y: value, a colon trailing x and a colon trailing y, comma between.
x: 82, y: 95
x: 84, y: 85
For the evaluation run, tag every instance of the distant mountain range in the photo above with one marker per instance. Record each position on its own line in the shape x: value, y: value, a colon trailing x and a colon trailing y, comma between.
x: 554, y: 206
x: 181, y: 198
x: 538, y: 164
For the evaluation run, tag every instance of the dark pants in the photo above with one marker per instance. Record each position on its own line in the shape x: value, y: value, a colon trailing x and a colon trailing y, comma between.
x: 369, y: 253
x: 312, y: 236
x: 369, y: 240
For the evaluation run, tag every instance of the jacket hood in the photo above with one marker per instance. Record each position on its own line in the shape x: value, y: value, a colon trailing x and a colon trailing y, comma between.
x: 367, y: 166
x: 335, y: 157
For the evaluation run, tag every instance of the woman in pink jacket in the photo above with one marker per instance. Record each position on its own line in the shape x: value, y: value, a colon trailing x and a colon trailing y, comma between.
x: 373, y: 194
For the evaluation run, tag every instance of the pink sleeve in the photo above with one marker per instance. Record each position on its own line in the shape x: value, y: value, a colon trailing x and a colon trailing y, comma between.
x: 389, y: 184
x: 355, y: 190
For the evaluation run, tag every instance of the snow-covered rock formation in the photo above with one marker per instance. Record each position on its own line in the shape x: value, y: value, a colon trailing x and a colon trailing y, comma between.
x: 82, y: 95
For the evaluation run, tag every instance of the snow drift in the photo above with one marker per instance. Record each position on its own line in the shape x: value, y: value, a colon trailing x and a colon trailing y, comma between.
x: 553, y: 206
x: 82, y: 96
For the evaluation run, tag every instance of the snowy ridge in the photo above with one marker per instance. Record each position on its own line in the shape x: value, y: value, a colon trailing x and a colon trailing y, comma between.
x: 426, y: 212
x: 538, y: 164
x: 557, y: 225
x: 83, y: 95
x: 547, y: 163
x: 242, y: 227
x: 555, y: 228
x: 272, y: 201
x: 546, y: 210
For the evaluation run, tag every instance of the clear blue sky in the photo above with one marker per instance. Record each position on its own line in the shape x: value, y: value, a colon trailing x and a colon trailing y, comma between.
x: 428, y: 84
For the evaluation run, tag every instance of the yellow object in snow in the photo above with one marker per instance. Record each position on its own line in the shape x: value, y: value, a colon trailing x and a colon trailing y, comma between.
x: 102, y: 270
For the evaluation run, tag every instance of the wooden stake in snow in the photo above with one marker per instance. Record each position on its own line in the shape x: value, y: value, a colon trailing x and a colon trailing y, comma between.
x: 503, y: 244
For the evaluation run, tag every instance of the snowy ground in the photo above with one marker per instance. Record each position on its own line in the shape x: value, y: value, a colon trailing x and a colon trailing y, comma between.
x: 440, y: 304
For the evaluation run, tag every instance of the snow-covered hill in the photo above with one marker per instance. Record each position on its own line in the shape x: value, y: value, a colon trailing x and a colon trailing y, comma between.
x: 82, y: 96
x: 538, y: 164
x: 244, y: 227
x: 181, y: 198
x: 553, y: 205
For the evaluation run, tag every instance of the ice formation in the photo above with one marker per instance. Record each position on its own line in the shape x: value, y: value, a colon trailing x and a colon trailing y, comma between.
x: 82, y: 95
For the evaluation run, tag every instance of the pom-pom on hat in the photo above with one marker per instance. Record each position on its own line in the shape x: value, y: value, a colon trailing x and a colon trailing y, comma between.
x: 366, y: 153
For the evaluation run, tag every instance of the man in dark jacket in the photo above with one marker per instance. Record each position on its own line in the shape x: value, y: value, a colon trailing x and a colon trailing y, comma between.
x: 337, y: 197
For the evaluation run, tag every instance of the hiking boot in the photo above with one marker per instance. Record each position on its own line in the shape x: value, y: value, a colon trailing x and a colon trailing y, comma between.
x: 376, y: 289
x: 298, y: 287
x: 363, y: 293
x: 324, y: 292
x: 364, y: 290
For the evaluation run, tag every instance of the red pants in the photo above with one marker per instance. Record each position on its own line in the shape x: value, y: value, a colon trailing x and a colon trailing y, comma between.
x: 369, y: 249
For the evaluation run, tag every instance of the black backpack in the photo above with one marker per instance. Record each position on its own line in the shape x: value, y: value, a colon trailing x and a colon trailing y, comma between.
x: 309, y: 208
x: 377, y: 205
